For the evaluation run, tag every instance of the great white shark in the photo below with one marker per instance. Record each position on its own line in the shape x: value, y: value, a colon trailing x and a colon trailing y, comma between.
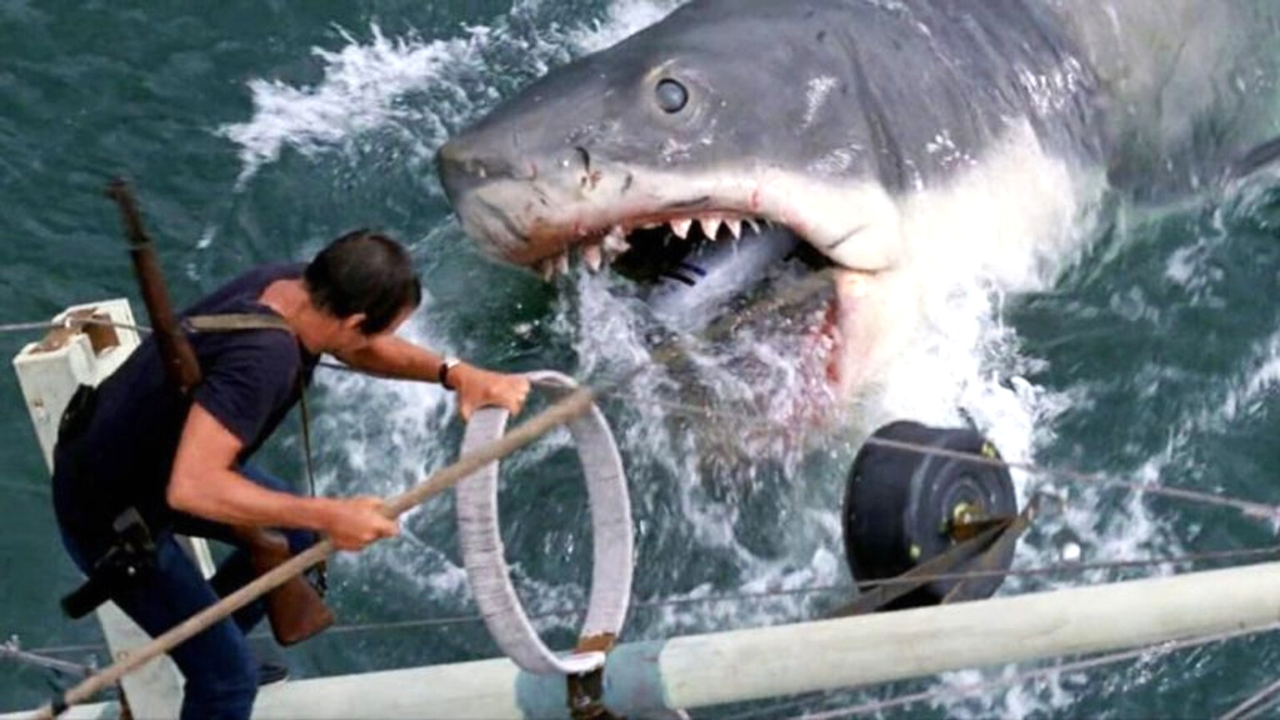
x: 834, y: 120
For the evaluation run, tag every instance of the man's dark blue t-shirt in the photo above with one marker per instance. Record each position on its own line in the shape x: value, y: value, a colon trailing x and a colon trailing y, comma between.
x: 125, y: 454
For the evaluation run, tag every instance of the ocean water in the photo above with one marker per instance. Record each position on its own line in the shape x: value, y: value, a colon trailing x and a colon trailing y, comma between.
x: 1093, y: 330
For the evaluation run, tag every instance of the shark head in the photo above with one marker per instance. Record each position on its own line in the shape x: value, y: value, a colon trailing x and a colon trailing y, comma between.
x: 827, y: 120
x: 723, y: 118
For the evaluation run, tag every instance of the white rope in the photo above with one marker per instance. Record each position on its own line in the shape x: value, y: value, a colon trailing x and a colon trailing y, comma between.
x: 482, y: 549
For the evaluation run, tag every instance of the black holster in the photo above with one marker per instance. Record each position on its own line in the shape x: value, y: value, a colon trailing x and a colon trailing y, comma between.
x: 132, y: 553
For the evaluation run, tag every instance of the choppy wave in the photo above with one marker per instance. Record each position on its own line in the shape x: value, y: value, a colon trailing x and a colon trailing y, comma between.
x: 363, y: 88
x: 413, y: 88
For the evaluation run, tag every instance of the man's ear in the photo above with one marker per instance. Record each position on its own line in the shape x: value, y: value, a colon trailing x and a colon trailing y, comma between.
x: 353, y: 322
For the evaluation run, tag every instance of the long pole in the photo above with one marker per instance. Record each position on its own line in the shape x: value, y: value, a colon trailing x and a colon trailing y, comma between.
x: 562, y: 412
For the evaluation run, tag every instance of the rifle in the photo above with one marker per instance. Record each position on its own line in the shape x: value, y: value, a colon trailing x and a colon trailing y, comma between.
x: 296, y: 610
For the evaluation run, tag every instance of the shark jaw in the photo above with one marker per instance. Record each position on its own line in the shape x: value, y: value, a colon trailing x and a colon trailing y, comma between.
x: 597, y: 213
x: 1008, y: 220
x: 598, y: 216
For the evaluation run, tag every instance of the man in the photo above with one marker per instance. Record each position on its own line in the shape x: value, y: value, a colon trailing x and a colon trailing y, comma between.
x: 179, y: 459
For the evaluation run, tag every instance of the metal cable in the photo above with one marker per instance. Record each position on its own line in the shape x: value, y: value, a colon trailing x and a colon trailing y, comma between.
x: 140, y: 329
x: 1265, y: 699
x: 12, y: 650
x: 71, y: 322
x: 69, y: 649
x: 880, y: 706
x: 1252, y: 509
x: 27, y: 327
x: 1249, y: 508
x: 1219, y: 555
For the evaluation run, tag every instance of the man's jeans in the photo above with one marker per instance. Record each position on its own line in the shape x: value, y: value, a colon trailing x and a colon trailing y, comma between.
x: 220, y: 669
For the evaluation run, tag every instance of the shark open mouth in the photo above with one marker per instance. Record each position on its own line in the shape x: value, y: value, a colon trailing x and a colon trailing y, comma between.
x: 716, y: 275
x: 700, y: 268
x: 671, y: 251
x: 691, y: 262
x: 647, y: 248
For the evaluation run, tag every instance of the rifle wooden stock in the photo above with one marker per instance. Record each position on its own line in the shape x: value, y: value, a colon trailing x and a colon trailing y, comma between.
x: 295, y: 609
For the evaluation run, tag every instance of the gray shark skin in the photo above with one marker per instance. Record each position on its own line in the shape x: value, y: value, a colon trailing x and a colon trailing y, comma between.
x: 790, y: 113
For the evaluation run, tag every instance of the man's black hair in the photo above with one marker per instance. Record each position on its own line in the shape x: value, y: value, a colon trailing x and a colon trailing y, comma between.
x: 364, y: 272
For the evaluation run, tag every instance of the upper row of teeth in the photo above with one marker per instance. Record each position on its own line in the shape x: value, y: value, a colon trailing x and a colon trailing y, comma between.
x: 600, y: 252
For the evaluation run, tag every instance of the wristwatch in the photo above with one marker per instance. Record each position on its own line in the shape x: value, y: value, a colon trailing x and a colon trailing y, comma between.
x: 446, y: 365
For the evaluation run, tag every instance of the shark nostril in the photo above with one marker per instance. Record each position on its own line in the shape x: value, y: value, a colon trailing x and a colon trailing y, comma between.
x: 454, y: 154
x: 463, y: 165
x: 461, y: 170
x: 584, y: 156
x: 589, y: 178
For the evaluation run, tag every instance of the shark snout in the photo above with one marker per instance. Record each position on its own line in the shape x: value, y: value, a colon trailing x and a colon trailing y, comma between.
x: 520, y: 205
x: 463, y: 167
x: 466, y: 164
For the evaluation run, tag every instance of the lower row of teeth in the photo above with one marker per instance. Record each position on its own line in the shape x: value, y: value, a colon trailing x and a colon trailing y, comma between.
x: 599, y: 253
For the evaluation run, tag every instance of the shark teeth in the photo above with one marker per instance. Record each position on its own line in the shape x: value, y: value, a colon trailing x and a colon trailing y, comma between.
x: 593, y: 256
x: 598, y: 252
x: 615, y: 243
x: 552, y: 267
x: 710, y: 226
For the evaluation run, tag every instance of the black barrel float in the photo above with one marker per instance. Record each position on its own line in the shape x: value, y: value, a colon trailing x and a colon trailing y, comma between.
x: 904, y: 507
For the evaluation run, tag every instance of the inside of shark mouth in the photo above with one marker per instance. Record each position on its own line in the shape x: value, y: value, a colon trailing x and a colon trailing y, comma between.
x: 697, y: 274
x: 689, y: 263
x: 748, y: 298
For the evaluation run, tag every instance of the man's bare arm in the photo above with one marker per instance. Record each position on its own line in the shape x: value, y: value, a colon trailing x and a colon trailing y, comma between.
x: 204, y: 483
x: 395, y: 357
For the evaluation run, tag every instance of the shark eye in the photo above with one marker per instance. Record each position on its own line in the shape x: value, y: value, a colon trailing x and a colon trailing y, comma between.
x: 672, y: 96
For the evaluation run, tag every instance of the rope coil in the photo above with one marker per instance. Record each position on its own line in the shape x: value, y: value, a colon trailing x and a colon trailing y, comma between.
x: 482, y: 548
